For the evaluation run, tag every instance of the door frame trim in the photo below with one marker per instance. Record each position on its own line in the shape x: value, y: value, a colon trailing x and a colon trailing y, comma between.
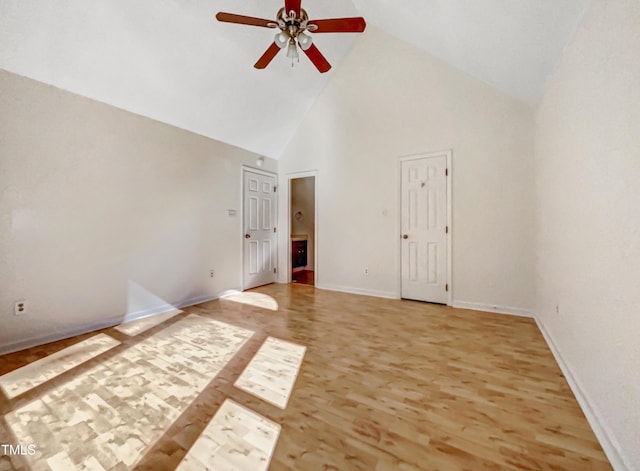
x: 448, y: 153
x: 243, y: 170
x: 293, y: 176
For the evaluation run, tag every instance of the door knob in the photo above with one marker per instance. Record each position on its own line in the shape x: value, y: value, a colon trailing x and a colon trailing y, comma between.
x: 405, y: 236
x: 247, y: 236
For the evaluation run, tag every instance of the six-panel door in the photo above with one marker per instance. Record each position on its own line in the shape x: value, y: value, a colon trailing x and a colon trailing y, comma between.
x: 424, y: 229
x: 259, y: 229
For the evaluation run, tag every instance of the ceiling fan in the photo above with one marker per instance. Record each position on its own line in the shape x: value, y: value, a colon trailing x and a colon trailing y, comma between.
x: 294, y: 25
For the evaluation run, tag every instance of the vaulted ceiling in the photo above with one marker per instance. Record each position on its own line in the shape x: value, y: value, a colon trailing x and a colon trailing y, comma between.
x: 171, y: 61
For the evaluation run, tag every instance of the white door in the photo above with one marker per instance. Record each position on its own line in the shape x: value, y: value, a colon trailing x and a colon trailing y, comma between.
x: 424, y: 229
x: 259, y: 229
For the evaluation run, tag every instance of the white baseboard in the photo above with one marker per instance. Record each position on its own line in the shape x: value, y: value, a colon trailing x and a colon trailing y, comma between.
x: 513, y: 311
x: 198, y: 300
x: 55, y: 336
x: 103, y: 324
x: 364, y: 292
x: 607, y: 441
x: 229, y: 292
x: 134, y: 316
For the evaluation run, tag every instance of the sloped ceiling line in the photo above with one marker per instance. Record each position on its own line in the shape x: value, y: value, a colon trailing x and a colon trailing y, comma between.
x: 171, y: 61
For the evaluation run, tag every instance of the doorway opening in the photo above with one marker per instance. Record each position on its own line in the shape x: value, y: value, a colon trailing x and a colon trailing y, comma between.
x: 302, y: 213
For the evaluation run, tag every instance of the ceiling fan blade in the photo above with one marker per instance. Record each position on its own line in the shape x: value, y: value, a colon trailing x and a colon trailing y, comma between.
x: 292, y: 5
x: 245, y: 20
x: 339, y: 25
x: 314, y: 54
x: 268, y: 56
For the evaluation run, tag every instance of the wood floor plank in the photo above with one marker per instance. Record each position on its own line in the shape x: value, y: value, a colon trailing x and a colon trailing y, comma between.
x: 385, y: 385
x: 272, y: 372
x: 235, y: 439
x: 139, y: 326
x: 40, y: 371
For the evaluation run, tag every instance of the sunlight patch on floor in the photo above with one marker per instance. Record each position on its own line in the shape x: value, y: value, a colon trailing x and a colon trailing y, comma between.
x: 133, y: 328
x: 112, y: 414
x: 40, y: 371
x: 272, y: 372
x: 254, y: 299
x: 235, y: 439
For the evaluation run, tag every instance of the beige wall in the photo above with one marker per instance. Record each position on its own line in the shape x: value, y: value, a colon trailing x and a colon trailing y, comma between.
x: 303, y: 199
x: 105, y: 213
x: 388, y: 100
x: 588, y: 219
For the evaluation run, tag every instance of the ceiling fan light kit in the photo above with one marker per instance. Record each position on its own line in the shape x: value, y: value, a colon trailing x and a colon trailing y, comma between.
x: 304, y: 41
x: 294, y: 25
x: 292, y: 51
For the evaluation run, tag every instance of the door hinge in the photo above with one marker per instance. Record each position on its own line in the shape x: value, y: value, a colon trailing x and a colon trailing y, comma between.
x: 274, y: 229
x: 275, y: 188
x: 446, y: 172
x: 274, y: 270
x: 446, y: 287
x: 446, y: 230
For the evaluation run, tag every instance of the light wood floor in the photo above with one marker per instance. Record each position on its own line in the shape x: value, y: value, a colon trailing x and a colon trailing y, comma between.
x: 304, y: 277
x: 384, y: 385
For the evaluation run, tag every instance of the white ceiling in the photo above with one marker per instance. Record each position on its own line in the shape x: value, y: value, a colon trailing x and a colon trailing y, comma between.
x: 171, y: 61
x: 510, y: 44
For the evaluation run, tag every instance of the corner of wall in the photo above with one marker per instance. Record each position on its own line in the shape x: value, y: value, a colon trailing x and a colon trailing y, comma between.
x: 606, y: 438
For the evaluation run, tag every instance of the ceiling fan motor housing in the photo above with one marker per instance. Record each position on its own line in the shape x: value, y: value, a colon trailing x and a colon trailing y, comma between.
x: 292, y: 27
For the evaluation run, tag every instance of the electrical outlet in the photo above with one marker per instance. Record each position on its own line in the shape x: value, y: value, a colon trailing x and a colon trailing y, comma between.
x: 366, y: 270
x: 20, y: 308
x: 212, y: 273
